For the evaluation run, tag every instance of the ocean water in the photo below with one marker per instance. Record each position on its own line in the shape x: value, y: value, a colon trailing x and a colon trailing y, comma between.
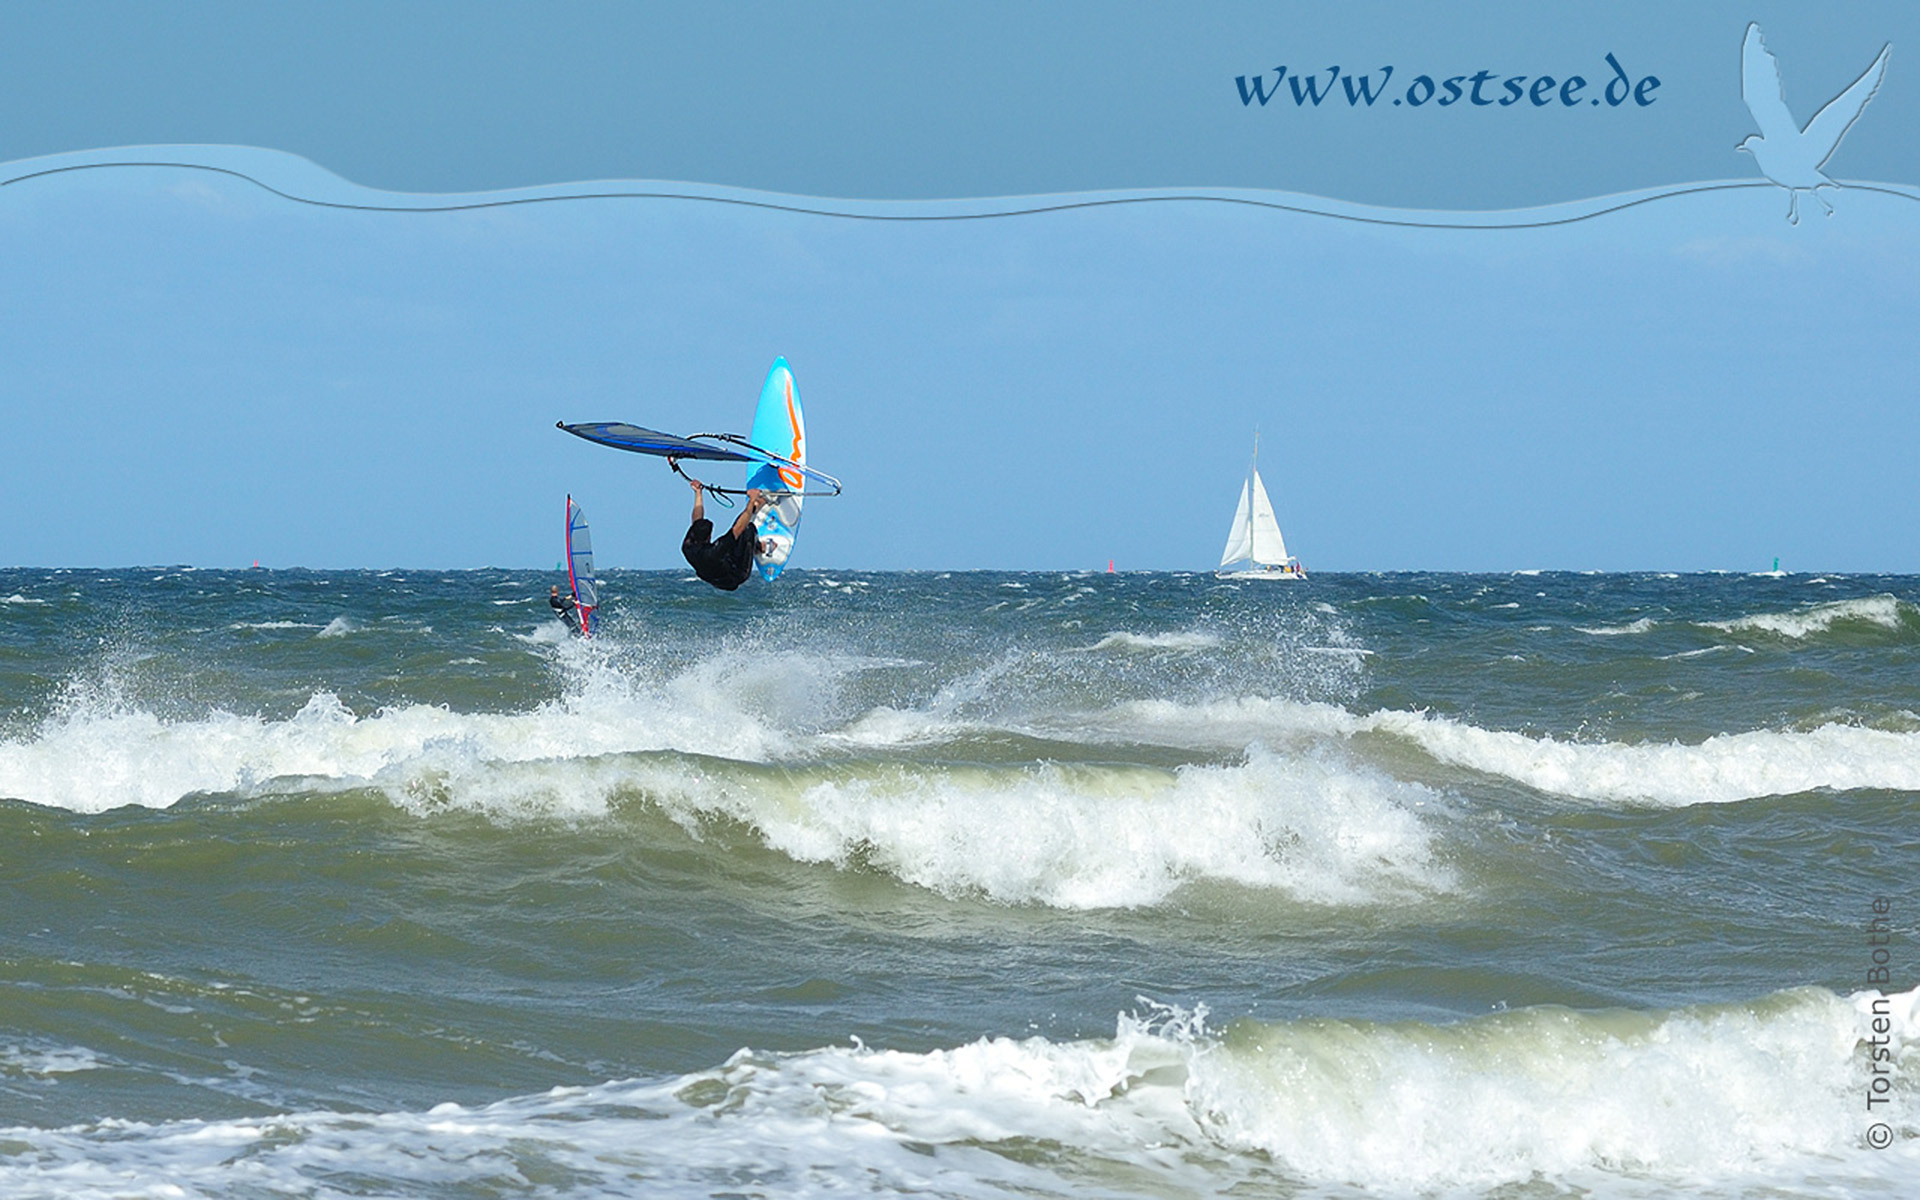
x: 349, y: 883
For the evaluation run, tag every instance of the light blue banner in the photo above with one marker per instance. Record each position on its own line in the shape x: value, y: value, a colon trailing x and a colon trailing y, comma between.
x: 1463, y: 106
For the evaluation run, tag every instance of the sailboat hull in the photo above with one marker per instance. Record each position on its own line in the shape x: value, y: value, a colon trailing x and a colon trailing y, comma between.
x: 1275, y: 575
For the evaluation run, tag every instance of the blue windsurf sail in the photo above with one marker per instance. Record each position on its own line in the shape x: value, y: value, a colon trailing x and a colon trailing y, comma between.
x: 622, y: 436
x: 714, y: 447
x: 586, y: 591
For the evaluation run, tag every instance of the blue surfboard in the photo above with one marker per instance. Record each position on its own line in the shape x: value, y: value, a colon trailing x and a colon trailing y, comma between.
x: 779, y: 427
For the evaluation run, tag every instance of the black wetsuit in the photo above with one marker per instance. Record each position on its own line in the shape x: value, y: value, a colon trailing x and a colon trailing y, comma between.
x: 726, y: 562
x: 568, y: 609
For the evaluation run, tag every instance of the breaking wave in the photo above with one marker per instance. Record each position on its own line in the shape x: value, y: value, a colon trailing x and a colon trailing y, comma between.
x: 101, y: 752
x: 1714, y: 1100
x: 1724, y: 768
x: 1882, y: 612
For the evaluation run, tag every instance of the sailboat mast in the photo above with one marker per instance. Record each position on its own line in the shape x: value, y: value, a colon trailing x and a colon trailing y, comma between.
x: 1253, y: 473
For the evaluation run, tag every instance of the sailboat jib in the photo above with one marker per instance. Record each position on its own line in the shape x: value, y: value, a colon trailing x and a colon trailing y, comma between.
x: 1239, y: 534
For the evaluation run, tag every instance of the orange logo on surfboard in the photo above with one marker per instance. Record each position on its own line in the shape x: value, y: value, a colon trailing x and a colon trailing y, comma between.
x: 792, y: 478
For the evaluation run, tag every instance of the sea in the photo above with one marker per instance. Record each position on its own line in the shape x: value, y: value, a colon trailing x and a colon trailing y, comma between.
x: 965, y: 885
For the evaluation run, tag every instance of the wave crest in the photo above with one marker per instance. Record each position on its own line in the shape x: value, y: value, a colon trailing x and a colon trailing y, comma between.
x: 1713, y: 1099
x: 1721, y: 769
x: 1883, y: 611
x: 1866, y: 613
x: 1729, y: 1091
x: 1096, y: 836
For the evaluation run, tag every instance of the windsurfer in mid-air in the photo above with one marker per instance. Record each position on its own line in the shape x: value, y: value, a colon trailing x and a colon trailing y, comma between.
x: 567, y: 608
x: 726, y: 562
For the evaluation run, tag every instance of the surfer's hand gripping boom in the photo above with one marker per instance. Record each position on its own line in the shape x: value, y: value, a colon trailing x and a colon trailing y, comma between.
x: 721, y: 496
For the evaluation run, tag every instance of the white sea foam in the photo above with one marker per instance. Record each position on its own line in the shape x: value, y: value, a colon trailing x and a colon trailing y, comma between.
x: 338, y: 627
x: 40, y: 1059
x: 1212, y: 726
x: 1082, y: 837
x: 1640, y: 626
x: 886, y: 728
x: 1103, y: 837
x: 1187, y: 640
x: 1314, y: 827
x: 1746, y: 1094
x: 1717, y: 1101
x: 1724, y: 768
x: 102, y: 754
x: 1704, y: 650
x: 1883, y: 610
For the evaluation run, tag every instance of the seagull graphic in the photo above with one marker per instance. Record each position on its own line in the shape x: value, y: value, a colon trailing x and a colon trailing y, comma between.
x: 1787, y: 154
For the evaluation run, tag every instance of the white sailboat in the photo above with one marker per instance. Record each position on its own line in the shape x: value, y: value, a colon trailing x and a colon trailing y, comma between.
x: 1254, y: 539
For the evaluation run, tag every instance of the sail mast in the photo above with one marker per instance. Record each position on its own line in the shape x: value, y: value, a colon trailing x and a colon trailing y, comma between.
x: 1253, y: 474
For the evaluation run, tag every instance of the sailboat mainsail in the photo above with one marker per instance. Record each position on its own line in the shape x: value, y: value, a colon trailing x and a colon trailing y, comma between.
x: 1254, y: 537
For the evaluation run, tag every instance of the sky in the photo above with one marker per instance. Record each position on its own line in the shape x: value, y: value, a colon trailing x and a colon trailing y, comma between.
x: 200, y: 371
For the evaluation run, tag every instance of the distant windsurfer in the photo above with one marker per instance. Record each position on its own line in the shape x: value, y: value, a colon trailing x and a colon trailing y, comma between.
x: 726, y: 562
x: 567, y: 608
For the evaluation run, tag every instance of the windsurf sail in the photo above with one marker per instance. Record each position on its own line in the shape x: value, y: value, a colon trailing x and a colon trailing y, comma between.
x: 586, y: 591
x: 713, y: 447
x: 622, y: 436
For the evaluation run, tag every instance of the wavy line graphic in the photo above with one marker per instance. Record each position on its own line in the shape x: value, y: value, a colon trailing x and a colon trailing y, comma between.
x: 302, y: 181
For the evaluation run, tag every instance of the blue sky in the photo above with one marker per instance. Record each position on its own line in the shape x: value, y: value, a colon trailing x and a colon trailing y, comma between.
x: 201, y: 372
